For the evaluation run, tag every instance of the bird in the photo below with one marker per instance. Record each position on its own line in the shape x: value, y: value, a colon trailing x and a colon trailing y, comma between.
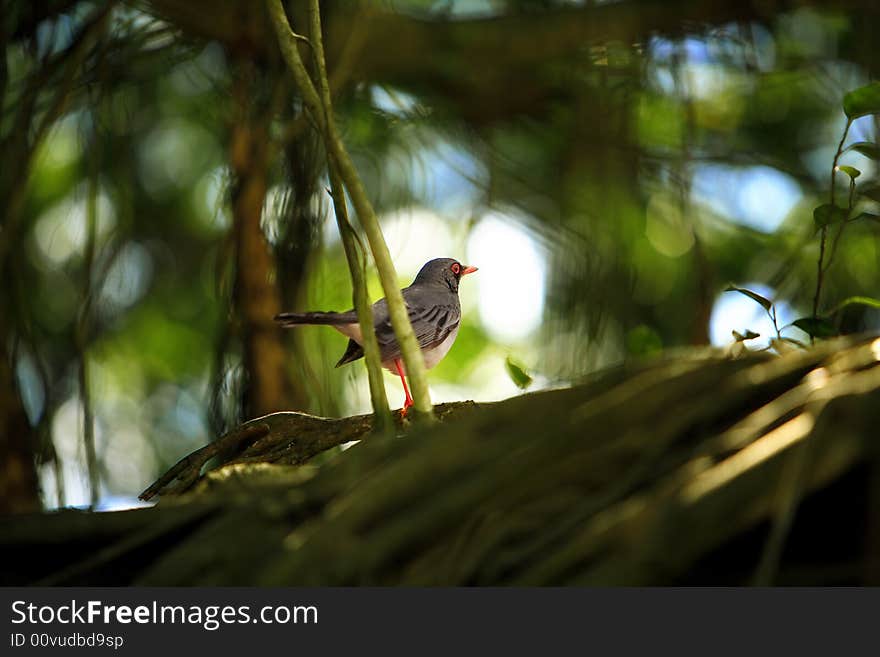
x: 434, y: 312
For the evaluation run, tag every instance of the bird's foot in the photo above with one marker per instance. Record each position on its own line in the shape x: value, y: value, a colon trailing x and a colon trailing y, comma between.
x: 406, y: 406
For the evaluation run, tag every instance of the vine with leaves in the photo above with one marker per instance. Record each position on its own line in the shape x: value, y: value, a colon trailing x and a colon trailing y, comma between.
x: 831, y: 218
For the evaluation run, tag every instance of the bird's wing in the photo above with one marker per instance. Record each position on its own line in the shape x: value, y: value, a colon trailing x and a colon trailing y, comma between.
x: 432, y: 322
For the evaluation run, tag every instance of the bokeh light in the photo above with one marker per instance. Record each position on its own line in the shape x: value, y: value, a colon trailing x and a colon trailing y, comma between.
x: 511, y: 279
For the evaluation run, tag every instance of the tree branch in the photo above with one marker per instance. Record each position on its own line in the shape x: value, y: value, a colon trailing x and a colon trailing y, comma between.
x: 596, y: 484
x: 286, y: 437
x: 397, y: 310
x: 256, y: 298
x: 356, y: 263
x: 821, y: 268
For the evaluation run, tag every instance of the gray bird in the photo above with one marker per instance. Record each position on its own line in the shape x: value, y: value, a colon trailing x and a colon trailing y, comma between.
x: 434, y: 311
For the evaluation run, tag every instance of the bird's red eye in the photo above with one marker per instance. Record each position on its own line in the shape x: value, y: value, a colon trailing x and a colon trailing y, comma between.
x: 456, y: 268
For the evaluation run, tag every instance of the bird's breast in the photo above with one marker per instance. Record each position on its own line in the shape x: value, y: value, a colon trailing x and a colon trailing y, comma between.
x: 432, y: 356
x: 435, y: 354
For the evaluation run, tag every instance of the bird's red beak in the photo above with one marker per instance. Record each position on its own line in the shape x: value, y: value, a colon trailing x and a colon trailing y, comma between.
x: 468, y: 270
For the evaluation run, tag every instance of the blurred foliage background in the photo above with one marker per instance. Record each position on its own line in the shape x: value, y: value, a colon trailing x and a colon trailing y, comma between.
x: 610, y: 166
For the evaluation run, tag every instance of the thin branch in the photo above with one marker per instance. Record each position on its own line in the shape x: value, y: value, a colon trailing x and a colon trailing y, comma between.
x: 410, y: 351
x: 82, y: 340
x: 820, y: 268
x: 843, y: 223
x: 28, y: 132
x: 187, y: 470
x: 286, y: 437
x: 356, y: 265
x: 771, y: 313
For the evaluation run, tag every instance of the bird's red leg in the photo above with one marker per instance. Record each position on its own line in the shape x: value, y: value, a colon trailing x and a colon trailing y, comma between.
x: 409, y: 400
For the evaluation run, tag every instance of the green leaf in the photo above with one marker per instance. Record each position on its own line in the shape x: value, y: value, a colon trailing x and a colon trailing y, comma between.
x: 856, y: 301
x: 862, y: 101
x: 754, y: 296
x: 747, y: 335
x: 517, y: 374
x: 815, y: 327
x: 825, y: 214
x: 866, y: 148
x: 852, y: 172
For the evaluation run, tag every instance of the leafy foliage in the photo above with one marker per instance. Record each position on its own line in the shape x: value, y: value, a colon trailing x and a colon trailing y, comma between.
x: 765, y: 303
x: 862, y: 101
x: 517, y: 373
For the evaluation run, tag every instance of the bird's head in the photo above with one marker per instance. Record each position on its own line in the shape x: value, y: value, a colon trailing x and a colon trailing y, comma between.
x: 443, y: 271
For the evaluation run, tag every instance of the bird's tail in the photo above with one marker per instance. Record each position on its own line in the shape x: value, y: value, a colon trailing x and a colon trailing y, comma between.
x: 294, y: 319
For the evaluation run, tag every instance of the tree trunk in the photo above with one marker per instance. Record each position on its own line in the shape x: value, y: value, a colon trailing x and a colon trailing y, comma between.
x: 257, y: 298
x: 19, y: 487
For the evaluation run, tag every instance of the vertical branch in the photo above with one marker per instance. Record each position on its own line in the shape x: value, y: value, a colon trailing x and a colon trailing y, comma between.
x: 357, y: 268
x: 256, y: 294
x: 356, y: 265
x: 412, y: 356
x: 82, y: 339
x: 44, y: 432
x: 843, y: 222
x: 19, y: 488
x: 27, y: 132
x: 55, y: 80
x: 820, y: 268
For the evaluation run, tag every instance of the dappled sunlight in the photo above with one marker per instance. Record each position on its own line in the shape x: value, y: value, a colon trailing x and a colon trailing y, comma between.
x: 173, y: 154
x: 448, y: 178
x: 67, y: 440
x: 209, y: 200
x: 416, y: 235
x: 63, y: 145
x: 759, y: 197
x: 666, y: 228
x: 511, y: 278
x: 127, y: 279
x: 62, y: 231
